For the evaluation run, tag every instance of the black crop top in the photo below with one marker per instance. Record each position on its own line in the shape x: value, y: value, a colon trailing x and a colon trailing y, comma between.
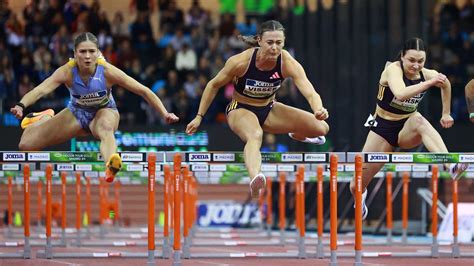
x: 387, y: 101
x: 257, y: 83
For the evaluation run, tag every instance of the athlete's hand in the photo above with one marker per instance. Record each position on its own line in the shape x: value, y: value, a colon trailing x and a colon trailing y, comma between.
x: 192, y: 127
x: 446, y: 121
x: 439, y: 80
x: 171, y: 118
x: 17, y: 111
x: 322, y: 114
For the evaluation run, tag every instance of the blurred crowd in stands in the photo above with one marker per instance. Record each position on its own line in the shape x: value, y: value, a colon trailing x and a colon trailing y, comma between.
x: 190, y: 49
x: 452, y: 47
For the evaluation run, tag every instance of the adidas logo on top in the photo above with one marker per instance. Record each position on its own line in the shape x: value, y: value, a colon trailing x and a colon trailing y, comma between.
x: 275, y: 76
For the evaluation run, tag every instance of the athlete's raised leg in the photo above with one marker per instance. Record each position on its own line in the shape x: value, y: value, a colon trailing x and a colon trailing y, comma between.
x: 418, y: 130
x: 50, y: 131
x: 284, y: 119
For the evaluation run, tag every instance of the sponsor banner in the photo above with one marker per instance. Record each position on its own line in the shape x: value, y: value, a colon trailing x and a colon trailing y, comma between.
x: 83, y: 167
x: 134, y: 167
x: 292, y: 157
x: 286, y: 167
x: 347, y: 167
x: 315, y: 157
x: 465, y: 223
x: 199, y: 157
x: 274, y: 157
x: 377, y: 157
x: 402, y: 158
x: 11, y: 167
x: 39, y: 156
x: 91, y: 174
x: 268, y: 168
x: 200, y: 167
x: 131, y: 157
x: 14, y: 156
x: 435, y: 158
x: 227, y: 213
x: 466, y: 158
x: 223, y: 157
x: 64, y: 167
x: 74, y: 157
x: 218, y: 167
x: 402, y: 168
x: 420, y: 168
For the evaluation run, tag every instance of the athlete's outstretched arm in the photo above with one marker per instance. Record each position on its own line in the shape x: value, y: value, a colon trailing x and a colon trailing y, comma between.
x: 470, y: 99
x: 401, y: 92
x: 44, y: 88
x: 117, y: 76
x: 293, y: 69
x: 225, y: 75
x: 446, y: 120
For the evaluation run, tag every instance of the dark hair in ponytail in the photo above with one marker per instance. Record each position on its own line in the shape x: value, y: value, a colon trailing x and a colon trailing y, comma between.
x: 269, y: 25
x: 412, y: 44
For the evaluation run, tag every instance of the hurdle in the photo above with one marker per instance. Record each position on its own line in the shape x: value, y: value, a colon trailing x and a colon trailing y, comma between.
x: 359, y: 254
x: 181, y: 191
x: 434, y: 252
x: 300, y: 217
x: 150, y: 254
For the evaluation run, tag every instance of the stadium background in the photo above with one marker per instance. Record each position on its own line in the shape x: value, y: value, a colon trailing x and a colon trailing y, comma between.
x: 175, y: 47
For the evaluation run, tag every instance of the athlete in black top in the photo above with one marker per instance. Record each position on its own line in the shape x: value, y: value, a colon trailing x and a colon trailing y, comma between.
x: 396, y: 121
x: 470, y: 99
x: 258, y: 73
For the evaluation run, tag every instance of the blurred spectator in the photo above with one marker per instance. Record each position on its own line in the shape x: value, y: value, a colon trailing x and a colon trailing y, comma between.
x: 167, y: 62
x: 14, y: 30
x: 141, y: 27
x: 147, y: 6
x: 179, y: 39
x: 118, y: 27
x: 186, y: 59
x: 125, y: 54
x: 172, y: 83
x: 25, y: 85
x: 72, y: 9
x: 171, y: 15
x: 196, y: 16
x: 227, y: 25
x: 249, y: 27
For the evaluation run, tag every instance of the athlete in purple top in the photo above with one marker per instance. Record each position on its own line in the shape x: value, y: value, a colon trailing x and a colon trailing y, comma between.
x: 257, y: 73
x: 92, y: 108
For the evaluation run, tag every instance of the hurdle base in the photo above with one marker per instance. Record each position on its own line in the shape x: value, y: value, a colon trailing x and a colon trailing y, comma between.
x: 186, y: 253
x: 333, y: 261
x: 151, y: 258
x: 455, y: 248
x: 404, y: 236
x: 435, y: 248
x: 166, y: 248
x: 177, y: 258
x: 301, y: 248
x: 389, y: 237
x: 358, y: 258
x: 320, y: 249
x: 27, y: 249
x: 282, y: 236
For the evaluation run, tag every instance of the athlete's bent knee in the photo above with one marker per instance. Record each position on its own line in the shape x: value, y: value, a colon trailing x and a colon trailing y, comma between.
x: 255, y: 135
x: 420, y: 121
x: 27, y: 146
